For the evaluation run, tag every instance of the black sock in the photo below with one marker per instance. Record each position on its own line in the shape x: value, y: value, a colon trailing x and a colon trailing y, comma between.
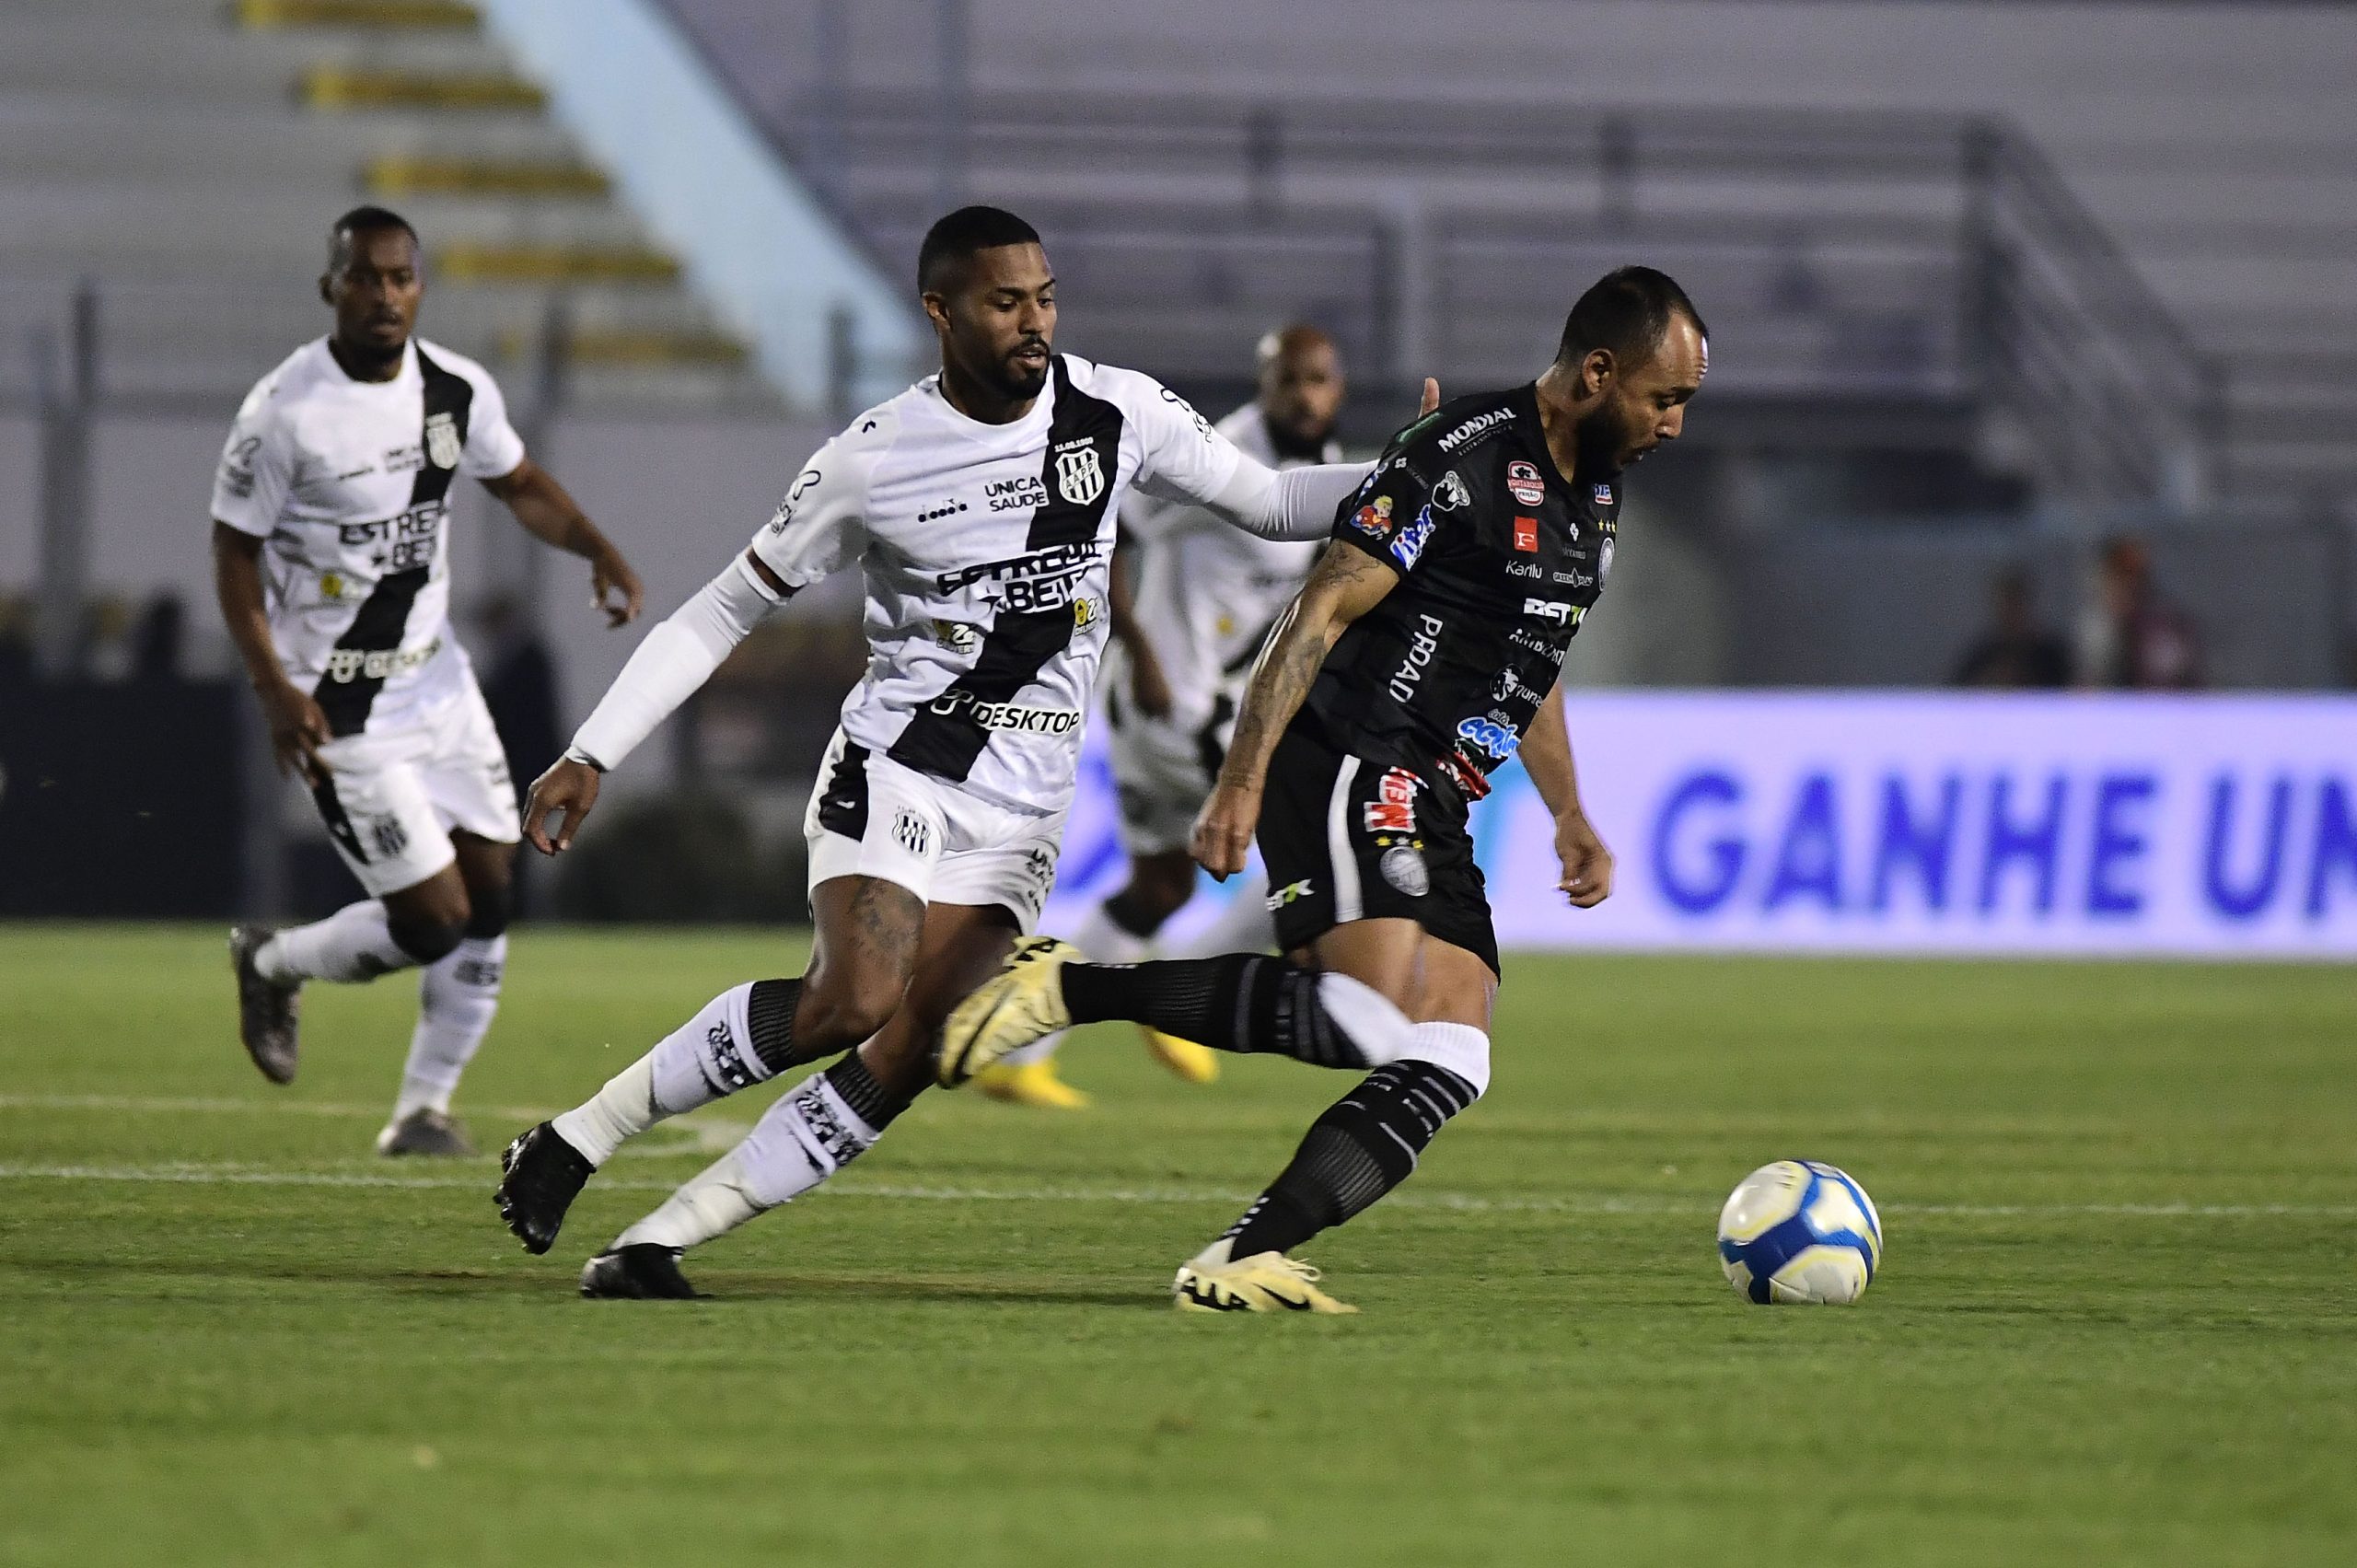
x: 1239, y: 1002
x: 1364, y: 1145
x: 768, y: 1017
x: 869, y: 1101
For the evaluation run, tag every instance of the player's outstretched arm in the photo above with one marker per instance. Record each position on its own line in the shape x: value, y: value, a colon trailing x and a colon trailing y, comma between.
x: 551, y: 516
x: 1289, y: 504
x: 678, y: 657
x: 1547, y: 754
x: 1345, y: 585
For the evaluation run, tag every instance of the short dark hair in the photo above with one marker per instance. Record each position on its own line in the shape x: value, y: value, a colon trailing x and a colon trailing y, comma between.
x: 1625, y: 312
x: 960, y: 234
x: 364, y: 220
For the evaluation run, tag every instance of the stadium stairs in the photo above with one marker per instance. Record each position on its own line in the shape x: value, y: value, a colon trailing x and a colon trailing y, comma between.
x: 184, y: 158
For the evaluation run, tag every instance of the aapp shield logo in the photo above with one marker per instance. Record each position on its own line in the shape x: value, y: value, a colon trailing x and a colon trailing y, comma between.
x: 442, y: 442
x: 1080, y: 478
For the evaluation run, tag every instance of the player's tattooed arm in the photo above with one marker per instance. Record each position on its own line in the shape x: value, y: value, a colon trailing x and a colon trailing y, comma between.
x: 1346, y: 584
x: 1546, y: 756
x: 550, y: 515
x: 298, y: 725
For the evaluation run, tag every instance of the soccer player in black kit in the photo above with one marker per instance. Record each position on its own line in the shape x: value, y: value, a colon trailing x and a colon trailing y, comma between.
x: 1422, y: 655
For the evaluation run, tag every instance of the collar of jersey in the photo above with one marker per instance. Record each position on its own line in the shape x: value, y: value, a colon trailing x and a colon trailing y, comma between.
x: 966, y: 424
x: 346, y: 377
x: 1527, y: 394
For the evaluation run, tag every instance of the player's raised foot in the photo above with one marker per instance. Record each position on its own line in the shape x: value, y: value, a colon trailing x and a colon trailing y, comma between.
x: 540, y: 1176
x: 1023, y: 1002
x: 269, y: 1015
x: 1036, y: 1084
x: 427, y: 1133
x: 641, y: 1272
x: 1267, y: 1282
x: 1196, y: 1063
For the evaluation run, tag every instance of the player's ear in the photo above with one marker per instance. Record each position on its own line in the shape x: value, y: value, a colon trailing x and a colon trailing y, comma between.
x: 1596, y: 371
x: 326, y: 290
x: 937, y: 308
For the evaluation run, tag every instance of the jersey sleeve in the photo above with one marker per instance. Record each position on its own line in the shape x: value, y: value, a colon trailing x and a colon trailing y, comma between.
x: 1185, y: 457
x: 1390, y: 514
x: 821, y: 524
x: 257, y: 466
x: 492, y: 447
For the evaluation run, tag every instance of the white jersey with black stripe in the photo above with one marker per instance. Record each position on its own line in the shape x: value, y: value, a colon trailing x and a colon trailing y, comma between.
x: 985, y: 550
x: 348, y: 482
x: 1205, y: 593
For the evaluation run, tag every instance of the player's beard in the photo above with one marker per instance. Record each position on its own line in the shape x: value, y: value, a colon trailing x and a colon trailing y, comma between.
x: 1016, y: 381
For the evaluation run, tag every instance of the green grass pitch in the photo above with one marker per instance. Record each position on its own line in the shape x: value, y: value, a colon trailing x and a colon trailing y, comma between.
x: 2117, y: 1320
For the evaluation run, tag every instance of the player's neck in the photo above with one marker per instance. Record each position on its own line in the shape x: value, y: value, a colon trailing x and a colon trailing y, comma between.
x: 1558, y: 415
x: 367, y: 365
x: 978, y: 402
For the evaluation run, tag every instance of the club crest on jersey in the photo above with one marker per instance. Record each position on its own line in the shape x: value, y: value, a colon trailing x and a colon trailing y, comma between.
x: 442, y: 441
x: 1522, y: 479
x: 1404, y: 869
x: 1080, y: 478
x: 1450, y: 492
x: 1604, y: 560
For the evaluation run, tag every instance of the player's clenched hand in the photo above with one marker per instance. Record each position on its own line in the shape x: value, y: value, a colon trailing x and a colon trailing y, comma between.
x: 568, y: 789
x: 298, y: 727
x: 1224, y: 828
x: 610, y: 574
x: 1587, y: 864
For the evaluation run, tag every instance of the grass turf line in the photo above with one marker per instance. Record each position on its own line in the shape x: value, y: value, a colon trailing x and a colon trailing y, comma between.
x: 2054, y: 1367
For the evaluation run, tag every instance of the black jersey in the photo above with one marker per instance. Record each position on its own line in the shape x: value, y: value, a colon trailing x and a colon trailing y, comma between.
x: 1500, y: 556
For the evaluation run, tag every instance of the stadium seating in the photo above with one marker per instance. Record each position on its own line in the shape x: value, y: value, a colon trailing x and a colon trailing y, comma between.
x: 1177, y: 172
x: 186, y: 158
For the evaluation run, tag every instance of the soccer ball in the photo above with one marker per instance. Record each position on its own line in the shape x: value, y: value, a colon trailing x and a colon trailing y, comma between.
x: 1798, y: 1230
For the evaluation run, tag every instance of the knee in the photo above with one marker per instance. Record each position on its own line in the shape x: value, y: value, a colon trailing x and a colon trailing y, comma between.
x: 491, y: 905
x: 427, y: 937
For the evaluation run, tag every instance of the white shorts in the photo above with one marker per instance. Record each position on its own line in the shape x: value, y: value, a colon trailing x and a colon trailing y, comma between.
x: 872, y: 817
x: 1163, y: 773
x: 393, y: 798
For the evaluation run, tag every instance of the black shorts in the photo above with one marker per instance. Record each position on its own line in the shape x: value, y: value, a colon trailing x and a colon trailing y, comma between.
x: 1346, y: 839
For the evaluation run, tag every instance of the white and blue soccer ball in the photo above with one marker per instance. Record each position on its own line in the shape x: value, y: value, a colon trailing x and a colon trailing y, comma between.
x: 1800, y: 1231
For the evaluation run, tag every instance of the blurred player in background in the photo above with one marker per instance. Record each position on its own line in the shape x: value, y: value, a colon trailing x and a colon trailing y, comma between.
x: 980, y: 504
x: 1423, y: 654
x: 331, y: 551
x: 1193, y: 599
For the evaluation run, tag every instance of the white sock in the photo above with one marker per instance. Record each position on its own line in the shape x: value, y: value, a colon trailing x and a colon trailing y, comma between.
x: 1461, y: 1048
x: 1105, y: 941
x: 1242, y: 925
x: 1108, y: 941
x: 803, y: 1139
x: 456, y: 999
x: 705, y: 1059
x: 353, y: 943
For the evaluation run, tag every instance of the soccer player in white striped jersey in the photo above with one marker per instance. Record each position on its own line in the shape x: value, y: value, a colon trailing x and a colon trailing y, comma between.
x: 1201, y: 598
x: 980, y: 506
x: 330, y: 549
